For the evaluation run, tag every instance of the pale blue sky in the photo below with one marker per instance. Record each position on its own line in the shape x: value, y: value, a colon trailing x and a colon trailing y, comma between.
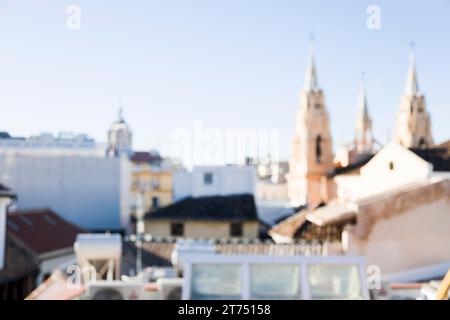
x: 230, y: 64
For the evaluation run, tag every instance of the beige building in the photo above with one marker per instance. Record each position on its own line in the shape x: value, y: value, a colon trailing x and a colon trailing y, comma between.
x: 395, y: 210
x: 398, y: 230
x: 413, y: 126
x: 312, y: 154
x: 150, y: 180
x: 213, y: 217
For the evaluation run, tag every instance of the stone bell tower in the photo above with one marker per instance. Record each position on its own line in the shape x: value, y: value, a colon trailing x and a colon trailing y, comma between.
x: 413, y: 126
x: 311, y: 155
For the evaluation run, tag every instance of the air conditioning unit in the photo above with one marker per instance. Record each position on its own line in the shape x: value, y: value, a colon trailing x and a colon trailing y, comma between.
x: 152, y: 274
x: 170, y: 289
x: 190, y: 246
x: 114, y: 290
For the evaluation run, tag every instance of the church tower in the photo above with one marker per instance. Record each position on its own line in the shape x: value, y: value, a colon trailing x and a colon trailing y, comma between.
x: 311, y: 155
x: 119, y: 138
x: 413, y: 127
x: 363, y: 129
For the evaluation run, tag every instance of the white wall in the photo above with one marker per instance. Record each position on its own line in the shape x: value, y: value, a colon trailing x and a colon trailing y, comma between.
x: 182, y: 184
x: 227, y: 180
x: 89, y: 191
x: 376, y: 176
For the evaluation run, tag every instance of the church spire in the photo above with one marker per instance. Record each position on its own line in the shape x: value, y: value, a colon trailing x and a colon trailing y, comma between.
x: 413, y: 126
x: 311, y: 76
x: 311, y: 160
x: 363, y: 111
x: 412, y: 86
x: 363, y: 122
x: 121, y: 119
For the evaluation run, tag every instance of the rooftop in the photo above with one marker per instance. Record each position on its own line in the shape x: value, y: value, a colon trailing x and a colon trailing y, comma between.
x: 42, y: 230
x: 399, y: 199
x: 19, y: 262
x: 353, y: 168
x: 438, y: 156
x: 239, y: 207
x: 161, y: 251
x: 145, y: 157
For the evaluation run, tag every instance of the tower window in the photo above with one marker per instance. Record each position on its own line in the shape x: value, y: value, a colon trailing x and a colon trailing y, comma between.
x: 317, y: 106
x: 319, y: 149
x: 391, y: 166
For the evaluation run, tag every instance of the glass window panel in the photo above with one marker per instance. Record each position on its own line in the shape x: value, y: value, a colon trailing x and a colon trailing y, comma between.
x: 215, y: 281
x: 334, y: 281
x: 275, y: 281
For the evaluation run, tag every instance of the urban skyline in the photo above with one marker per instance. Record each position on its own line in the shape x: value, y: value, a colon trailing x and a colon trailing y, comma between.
x: 223, y: 77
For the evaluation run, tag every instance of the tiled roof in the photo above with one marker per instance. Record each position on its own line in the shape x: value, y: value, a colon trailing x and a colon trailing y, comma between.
x: 42, y: 231
x: 239, y: 207
x: 145, y: 157
x: 19, y: 263
x: 162, y: 251
x: 288, y: 227
x: 438, y: 156
x: 154, y: 254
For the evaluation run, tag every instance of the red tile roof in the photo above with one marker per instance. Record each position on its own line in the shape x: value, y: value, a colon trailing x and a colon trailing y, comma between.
x: 42, y: 231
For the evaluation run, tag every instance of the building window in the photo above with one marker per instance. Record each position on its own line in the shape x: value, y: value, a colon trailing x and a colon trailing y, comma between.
x: 177, y: 229
x: 155, y: 202
x: 391, y: 166
x: 154, y: 183
x: 208, y: 178
x: 236, y: 229
x: 318, y: 149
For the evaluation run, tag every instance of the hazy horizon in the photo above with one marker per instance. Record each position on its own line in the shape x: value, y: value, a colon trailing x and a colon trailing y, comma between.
x: 228, y: 65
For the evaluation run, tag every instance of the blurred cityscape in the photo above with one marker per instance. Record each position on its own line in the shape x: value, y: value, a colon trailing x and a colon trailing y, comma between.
x: 82, y: 219
x: 87, y: 220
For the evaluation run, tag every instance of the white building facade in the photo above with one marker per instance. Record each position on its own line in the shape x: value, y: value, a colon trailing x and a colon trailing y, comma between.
x: 214, y: 180
x: 91, y: 192
x: 47, y: 144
